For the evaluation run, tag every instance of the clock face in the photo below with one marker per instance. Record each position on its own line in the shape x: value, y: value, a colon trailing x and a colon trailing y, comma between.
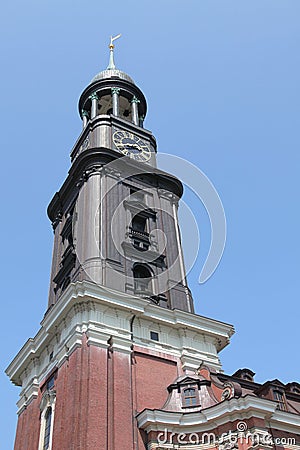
x: 132, y: 146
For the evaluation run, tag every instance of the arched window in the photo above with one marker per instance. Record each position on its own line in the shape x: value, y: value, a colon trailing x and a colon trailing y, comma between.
x: 139, y: 233
x: 142, y: 279
x: 190, y: 397
x: 47, y: 407
x: 47, y: 432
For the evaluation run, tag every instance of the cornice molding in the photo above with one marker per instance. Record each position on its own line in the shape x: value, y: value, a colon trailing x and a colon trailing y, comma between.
x: 101, y: 156
x: 285, y: 421
x: 80, y: 311
x: 231, y: 410
x: 28, y: 396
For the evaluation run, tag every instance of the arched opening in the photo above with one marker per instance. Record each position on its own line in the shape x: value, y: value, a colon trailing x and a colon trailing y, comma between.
x: 104, y: 105
x: 138, y: 223
x: 139, y: 233
x: 125, y: 108
x: 142, y: 279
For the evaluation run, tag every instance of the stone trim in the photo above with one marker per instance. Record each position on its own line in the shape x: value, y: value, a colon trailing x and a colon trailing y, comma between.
x: 87, y: 309
x: 208, y: 419
x: 48, y: 401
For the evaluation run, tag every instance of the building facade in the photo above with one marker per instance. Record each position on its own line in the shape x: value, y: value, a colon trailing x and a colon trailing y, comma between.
x: 121, y: 360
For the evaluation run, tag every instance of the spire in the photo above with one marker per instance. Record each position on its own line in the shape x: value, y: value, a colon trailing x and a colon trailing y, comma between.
x: 111, y: 64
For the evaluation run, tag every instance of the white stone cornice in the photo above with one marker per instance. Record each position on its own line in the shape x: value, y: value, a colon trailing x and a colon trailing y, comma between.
x: 28, y: 395
x: 208, y: 419
x: 228, y: 411
x: 285, y: 421
x: 183, y: 319
x: 191, y: 362
x: 101, y: 313
x: 95, y: 337
x: 138, y: 306
x: 121, y: 345
x: 73, y: 341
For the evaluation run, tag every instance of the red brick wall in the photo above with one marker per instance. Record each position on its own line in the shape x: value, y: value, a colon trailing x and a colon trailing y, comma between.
x: 98, y: 393
x: 121, y: 413
x: 28, y: 429
x: 80, y: 411
x: 80, y: 419
x: 152, y: 376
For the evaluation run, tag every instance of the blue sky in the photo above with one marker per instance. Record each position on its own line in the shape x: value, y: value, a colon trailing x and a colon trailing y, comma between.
x: 222, y: 83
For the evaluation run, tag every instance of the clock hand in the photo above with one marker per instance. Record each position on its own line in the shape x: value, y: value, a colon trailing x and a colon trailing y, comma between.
x: 132, y: 145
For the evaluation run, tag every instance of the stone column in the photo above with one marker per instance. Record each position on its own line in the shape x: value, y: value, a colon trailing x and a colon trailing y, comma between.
x: 94, y: 97
x: 135, y: 110
x: 142, y: 118
x: 85, y: 117
x: 115, y: 92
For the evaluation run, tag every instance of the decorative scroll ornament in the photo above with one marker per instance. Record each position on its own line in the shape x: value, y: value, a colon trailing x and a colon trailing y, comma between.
x: 93, y: 170
x: 168, y: 195
x: 227, y: 393
x: 230, y: 390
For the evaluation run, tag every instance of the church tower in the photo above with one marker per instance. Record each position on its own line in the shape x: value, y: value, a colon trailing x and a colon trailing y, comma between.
x: 120, y: 325
x: 115, y: 218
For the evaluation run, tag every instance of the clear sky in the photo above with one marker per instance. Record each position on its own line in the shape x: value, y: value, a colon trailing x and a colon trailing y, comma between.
x: 222, y: 83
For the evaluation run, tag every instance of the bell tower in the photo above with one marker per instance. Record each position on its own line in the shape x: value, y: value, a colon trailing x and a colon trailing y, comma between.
x: 120, y: 324
x: 113, y: 93
x: 115, y: 218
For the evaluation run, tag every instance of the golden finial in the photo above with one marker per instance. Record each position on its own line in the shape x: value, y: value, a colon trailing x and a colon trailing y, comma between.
x: 111, y: 46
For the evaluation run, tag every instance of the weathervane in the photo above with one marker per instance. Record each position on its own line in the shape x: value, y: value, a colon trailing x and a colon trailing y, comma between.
x: 111, y: 46
x: 112, y: 39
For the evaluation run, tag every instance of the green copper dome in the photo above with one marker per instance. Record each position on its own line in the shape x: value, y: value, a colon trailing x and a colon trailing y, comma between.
x: 112, y: 73
x: 117, y: 91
